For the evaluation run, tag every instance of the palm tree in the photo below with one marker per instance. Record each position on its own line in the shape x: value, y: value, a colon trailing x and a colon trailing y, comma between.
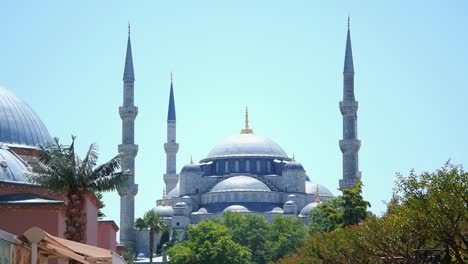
x: 155, y: 224
x: 60, y: 169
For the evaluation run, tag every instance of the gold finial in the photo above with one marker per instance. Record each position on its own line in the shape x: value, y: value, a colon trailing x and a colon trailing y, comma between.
x: 293, y: 159
x: 163, y: 203
x: 246, y: 130
x: 317, y: 194
x: 191, y: 161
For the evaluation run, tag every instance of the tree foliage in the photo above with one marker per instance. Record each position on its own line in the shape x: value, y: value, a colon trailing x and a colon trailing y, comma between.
x: 155, y: 224
x: 209, y: 243
x: 60, y: 169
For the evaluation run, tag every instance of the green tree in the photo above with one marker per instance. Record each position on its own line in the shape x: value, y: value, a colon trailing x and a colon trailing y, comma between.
x: 209, y: 243
x: 250, y: 231
x: 327, y: 216
x: 60, y: 169
x: 354, y: 205
x: 284, y: 236
x: 155, y: 224
x: 438, y: 202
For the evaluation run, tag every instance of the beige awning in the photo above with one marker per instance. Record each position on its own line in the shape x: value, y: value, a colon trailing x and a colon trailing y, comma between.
x: 63, y: 248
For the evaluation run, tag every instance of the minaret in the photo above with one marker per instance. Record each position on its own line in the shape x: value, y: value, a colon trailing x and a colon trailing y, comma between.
x: 247, y: 129
x: 171, y: 147
x: 128, y: 149
x: 349, y: 145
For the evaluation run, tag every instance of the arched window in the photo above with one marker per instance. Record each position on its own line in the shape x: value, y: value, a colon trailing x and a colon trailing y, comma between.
x: 269, y: 166
x: 258, y: 166
x: 217, y: 168
x: 236, y: 166
x: 226, y: 166
x: 247, y: 165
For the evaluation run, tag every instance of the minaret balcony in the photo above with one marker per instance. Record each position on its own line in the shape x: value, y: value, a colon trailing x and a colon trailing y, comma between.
x: 348, y: 107
x: 128, y: 112
x: 128, y: 150
x: 350, y: 145
x: 171, y: 147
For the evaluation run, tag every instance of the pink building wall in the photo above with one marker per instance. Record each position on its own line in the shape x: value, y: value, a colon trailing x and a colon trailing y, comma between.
x: 107, y: 237
x: 92, y: 224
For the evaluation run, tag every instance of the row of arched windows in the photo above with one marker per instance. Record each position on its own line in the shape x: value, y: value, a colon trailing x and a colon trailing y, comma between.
x: 223, y: 166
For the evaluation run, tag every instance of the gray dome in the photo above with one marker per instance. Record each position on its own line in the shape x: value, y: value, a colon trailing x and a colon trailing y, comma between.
x: 306, y: 210
x: 191, y: 168
x: 293, y: 165
x: 236, y: 208
x: 240, y: 183
x: 164, y: 210
x: 323, y: 191
x: 277, y: 210
x: 180, y: 205
x: 289, y: 202
x: 174, y: 192
x: 12, y: 167
x: 247, y: 145
x: 201, y: 211
x: 19, y: 124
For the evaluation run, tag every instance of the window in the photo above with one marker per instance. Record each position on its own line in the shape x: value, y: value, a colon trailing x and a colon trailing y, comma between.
x: 177, y: 224
x: 236, y: 166
x: 258, y: 166
x: 269, y: 166
x: 247, y: 165
x: 226, y: 166
x: 217, y: 167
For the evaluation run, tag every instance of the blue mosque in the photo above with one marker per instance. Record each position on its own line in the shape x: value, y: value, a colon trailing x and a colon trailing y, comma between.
x: 246, y: 173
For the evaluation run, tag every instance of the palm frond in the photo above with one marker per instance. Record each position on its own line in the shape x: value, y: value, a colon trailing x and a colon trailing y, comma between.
x: 107, y: 168
x: 109, y: 183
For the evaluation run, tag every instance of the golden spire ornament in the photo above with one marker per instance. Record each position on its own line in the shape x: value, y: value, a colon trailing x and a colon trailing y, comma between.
x: 317, y: 194
x: 163, y: 203
x: 247, y: 130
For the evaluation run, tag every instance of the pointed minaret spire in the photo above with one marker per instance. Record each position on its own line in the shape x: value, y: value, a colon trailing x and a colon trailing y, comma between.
x: 350, y: 143
x: 128, y: 71
x: 191, y: 160
x: 171, y: 146
x: 128, y: 149
x: 247, y: 130
x: 348, y: 64
x: 171, y: 114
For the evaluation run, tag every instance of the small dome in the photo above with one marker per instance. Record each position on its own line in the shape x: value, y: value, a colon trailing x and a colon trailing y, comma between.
x: 174, y: 192
x: 164, y: 210
x: 323, y: 191
x: 240, y: 183
x: 19, y: 124
x: 201, y: 211
x: 236, y: 208
x: 180, y: 205
x: 306, y: 210
x: 291, y: 196
x: 12, y: 167
x: 242, y: 145
x: 289, y: 202
x: 191, y: 168
x: 293, y: 165
x: 277, y: 210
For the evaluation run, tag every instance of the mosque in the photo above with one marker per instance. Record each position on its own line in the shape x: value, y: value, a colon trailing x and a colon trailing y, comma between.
x: 246, y: 173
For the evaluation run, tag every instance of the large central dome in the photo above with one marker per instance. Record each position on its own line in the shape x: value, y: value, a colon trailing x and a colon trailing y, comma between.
x: 243, y: 145
x: 19, y: 124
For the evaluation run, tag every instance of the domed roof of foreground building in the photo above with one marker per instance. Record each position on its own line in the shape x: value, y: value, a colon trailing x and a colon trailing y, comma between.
x: 240, y: 183
x: 12, y: 167
x: 164, y: 210
x: 236, y: 208
x: 19, y: 124
x: 306, y: 210
x: 243, y: 145
x: 311, y: 187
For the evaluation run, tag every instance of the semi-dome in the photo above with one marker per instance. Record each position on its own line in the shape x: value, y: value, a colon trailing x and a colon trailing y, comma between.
x: 236, y: 208
x: 306, y: 210
x: 12, y: 167
x: 174, y: 192
x: 245, y: 145
x: 19, y: 124
x: 164, y: 210
x: 240, y: 183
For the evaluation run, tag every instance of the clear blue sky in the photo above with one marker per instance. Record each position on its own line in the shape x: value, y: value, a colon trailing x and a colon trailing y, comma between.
x: 284, y: 59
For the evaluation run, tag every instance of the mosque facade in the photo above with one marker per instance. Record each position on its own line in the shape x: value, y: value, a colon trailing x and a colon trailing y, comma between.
x: 246, y: 173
